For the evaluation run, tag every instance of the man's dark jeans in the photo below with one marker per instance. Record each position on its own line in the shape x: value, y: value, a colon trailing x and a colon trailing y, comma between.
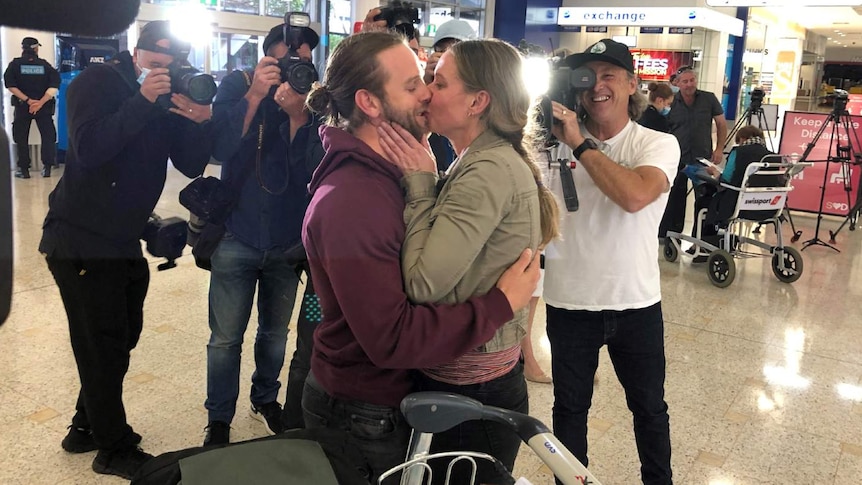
x: 104, y: 301
x: 635, y: 340
x: 379, y: 432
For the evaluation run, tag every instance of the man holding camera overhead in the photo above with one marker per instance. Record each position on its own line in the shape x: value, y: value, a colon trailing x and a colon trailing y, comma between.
x: 269, y: 146
x: 120, y: 139
x: 602, y: 277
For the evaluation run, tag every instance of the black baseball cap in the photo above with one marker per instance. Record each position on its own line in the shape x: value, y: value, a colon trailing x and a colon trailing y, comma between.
x: 605, y: 50
x: 276, y: 34
x: 30, y: 43
x: 160, y: 30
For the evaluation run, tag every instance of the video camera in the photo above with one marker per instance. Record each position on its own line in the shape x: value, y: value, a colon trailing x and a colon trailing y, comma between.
x: 398, y: 12
x: 186, y: 80
x: 165, y: 238
x: 298, y: 73
x: 757, y: 96
x: 565, y: 87
x: 840, y: 100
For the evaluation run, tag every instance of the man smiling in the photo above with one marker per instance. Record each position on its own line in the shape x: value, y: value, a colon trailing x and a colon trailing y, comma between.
x: 602, y: 278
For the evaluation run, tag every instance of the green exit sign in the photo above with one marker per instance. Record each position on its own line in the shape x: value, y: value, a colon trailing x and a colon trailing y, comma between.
x: 209, y: 3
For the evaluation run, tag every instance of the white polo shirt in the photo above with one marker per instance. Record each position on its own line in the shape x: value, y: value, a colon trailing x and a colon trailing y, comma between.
x: 607, y: 258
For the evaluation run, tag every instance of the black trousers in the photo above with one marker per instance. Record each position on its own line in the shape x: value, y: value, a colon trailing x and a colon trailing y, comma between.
x: 104, y: 301
x: 310, y: 316
x: 21, y: 133
x: 674, y: 214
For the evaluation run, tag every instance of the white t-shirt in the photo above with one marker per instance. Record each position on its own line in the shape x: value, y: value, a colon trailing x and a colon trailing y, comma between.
x: 607, y: 258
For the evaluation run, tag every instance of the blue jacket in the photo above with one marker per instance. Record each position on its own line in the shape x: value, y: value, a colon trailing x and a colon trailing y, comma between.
x: 273, y: 194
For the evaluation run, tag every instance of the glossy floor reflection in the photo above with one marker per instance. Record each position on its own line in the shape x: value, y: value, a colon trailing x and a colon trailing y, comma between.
x: 764, y: 379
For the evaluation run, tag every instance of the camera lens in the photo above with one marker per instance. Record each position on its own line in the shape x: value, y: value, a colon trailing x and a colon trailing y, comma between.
x: 200, y: 88
x: 301, y: 76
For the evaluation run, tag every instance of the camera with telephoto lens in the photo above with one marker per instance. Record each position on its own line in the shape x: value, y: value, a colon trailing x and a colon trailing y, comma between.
x: 397, y: 13
x: 186, y: 80
x: 165, y: 238
x: 757, y: 96
x: 300, y: 74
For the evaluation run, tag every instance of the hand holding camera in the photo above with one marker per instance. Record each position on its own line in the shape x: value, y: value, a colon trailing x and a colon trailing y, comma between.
x: 290, y: 102
x: 266, y: 75
x: 157, y: 83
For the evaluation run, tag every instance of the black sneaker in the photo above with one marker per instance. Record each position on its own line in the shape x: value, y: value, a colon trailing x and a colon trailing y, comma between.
x: 270, y: 415
x: 691, y: 250
x: 218, y: 433
x: 700, y: 259
x: 124, y: 462
x: 22, y: 173
x: 80, y: 440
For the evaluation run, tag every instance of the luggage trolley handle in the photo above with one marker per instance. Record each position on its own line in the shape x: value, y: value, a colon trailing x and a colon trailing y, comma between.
x: 435, y: 412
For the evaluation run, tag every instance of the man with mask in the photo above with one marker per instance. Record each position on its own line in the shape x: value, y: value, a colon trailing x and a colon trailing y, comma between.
x: 120, y: 139
x: 33, y: 83
x: 269, y: 147
x: 371, y: 334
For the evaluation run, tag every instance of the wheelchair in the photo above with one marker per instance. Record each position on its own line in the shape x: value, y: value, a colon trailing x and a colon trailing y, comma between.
x: 760, y: 199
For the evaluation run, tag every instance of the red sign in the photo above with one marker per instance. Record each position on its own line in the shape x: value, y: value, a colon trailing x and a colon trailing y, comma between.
x: 798, y: 131
x: 658, y: 65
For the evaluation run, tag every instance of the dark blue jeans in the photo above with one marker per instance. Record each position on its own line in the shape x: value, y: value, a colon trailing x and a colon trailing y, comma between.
x: 635, y: 340
x: 237, y: 270
x: 380, y: 433
x: 497, y: 440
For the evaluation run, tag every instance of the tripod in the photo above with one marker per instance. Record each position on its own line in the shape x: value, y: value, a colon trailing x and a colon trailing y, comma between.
x: 839, y: 118
x: 755, y: 111
x: 853, y: 215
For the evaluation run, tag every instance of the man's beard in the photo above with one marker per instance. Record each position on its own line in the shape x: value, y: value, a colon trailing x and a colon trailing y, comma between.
x: 407, y: 120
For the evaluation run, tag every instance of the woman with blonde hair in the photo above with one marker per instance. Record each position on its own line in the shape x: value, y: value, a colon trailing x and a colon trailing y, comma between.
x: 464, y: 231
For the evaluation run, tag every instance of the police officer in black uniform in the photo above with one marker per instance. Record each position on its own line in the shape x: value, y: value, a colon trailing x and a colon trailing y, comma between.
x: 33, y: 83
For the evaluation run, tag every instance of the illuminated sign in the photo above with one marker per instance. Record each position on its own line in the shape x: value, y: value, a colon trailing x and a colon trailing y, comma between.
x: 652, y: 65
x: 650, y: 17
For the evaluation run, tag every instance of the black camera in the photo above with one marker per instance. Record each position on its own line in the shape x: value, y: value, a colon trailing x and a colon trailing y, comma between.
x: 186, y: 80
x: 565, y: 87
x: 300, y: 74
x: 397, y: 13
x: 840, y: 101
x: 165, y: 238
x: 757, y: 96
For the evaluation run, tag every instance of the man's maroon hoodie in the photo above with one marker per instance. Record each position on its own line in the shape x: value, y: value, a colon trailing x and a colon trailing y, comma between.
x: 371, y: 335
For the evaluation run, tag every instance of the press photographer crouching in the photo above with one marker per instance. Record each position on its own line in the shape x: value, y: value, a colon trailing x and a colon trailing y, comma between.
x: 269, y: 147
x: 602, y: 283
x: 120, y: 140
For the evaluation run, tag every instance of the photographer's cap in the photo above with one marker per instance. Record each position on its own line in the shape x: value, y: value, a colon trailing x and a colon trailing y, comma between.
x: 30, y: 43
x: 605, y: 50
x: 160, y: 30
x: 454, y: 29
x: 276, y: 34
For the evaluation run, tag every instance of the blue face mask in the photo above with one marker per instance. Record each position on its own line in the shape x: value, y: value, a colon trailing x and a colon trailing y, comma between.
x: 675, y: 89
x: 665, y: 111
x: 144, y: 72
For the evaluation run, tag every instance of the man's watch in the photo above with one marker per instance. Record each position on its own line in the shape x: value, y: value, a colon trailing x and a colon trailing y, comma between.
x: 588, y: 144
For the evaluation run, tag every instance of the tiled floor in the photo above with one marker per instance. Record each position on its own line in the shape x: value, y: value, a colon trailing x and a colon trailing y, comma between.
x: 763, y: 378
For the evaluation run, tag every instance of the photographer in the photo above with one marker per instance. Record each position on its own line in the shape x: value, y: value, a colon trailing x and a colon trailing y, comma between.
x: 269, y: 146
x: 602, y: 282
x: 120, y: 140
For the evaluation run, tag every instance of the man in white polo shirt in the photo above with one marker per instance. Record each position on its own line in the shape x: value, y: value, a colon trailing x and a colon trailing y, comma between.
x: 602, y: 277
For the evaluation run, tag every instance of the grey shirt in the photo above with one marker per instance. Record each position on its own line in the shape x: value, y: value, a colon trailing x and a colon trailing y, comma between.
x: 692, y: 125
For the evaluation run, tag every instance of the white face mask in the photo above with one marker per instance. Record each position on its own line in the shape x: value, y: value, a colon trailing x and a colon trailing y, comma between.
x: 144, y: 72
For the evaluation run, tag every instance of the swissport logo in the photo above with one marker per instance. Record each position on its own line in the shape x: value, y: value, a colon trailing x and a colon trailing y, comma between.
x: 762, y: 201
